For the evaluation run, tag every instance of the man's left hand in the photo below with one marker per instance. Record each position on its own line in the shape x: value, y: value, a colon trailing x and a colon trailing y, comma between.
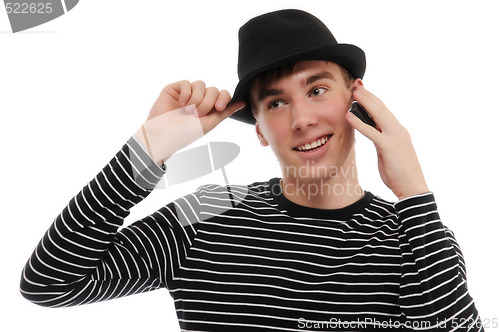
x: 397, y: 160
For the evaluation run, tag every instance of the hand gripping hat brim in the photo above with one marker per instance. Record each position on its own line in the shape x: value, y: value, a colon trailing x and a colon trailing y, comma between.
x: 283, y: 37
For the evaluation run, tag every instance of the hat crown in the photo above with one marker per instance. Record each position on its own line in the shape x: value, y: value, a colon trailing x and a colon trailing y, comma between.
x: 274, y: 35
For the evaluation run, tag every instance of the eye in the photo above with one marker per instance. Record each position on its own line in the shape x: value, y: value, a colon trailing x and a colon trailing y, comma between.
x: 275, y: 104
x: 317, y: 92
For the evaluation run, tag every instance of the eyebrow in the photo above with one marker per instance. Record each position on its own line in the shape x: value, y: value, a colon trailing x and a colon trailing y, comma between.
x: 263, y: 94
x: 319, y: 76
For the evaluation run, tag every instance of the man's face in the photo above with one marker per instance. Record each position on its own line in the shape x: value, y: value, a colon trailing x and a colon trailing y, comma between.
x: 302, y: 110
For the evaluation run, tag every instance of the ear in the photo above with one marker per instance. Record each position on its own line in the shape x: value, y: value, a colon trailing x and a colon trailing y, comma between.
x: 261, y: 137
x: 357, y: 82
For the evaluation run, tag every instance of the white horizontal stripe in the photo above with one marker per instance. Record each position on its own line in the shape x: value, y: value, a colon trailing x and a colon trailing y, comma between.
x: 287, y: 251
x: 303, y: 234
x: 287, y: 298
x: 353, y: 311
x: 306, y: 245
x: 271, y: 285
x: 304, y: 272
x: 280, y: 259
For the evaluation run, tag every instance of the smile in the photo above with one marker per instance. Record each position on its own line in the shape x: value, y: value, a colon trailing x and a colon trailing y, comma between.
x: 316, y: 144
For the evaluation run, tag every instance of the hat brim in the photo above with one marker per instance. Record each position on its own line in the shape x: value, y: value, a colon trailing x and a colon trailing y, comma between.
x: 348, y: 56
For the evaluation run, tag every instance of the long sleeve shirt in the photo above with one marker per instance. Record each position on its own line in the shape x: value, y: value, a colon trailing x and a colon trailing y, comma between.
x: 245, y: 258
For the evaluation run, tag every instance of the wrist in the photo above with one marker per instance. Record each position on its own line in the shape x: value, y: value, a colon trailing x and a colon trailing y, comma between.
x: 143, y: 138
x: 414, y: 191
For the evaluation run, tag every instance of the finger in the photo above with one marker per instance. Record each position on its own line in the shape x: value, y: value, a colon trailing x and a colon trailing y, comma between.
x: 365, y: 129
x: 208, y: 102
x: 210, y: 121
x: 222, y: 101
x: 197, y: 93
x: 169, y: 93
x: 369, y: 102
x: 180, y: 91
x: 384, y: 119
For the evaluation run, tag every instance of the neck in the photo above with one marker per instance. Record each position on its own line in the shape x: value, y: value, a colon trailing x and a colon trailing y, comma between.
x: 336, y: 190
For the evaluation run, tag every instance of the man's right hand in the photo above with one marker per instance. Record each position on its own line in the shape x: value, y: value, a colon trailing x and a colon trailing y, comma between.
x: 183, y: 113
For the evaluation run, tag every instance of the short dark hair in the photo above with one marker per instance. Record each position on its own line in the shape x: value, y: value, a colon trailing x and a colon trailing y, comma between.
x: 270, y: 76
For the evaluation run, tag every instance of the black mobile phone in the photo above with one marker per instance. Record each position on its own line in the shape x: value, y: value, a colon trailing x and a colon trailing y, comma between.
x: 360, y: 112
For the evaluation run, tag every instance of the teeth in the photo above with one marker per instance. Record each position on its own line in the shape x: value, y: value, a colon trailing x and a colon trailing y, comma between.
x: 313, y: 145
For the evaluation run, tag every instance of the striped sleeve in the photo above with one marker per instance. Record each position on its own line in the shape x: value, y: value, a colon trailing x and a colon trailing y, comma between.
x: 82, y: 258
x: 433, y: 282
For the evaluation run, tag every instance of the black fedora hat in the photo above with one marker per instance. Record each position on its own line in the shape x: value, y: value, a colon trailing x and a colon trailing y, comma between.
x: 283, y: 37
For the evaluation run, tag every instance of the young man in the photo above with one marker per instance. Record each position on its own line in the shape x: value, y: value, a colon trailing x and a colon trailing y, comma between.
x: 309, y: 251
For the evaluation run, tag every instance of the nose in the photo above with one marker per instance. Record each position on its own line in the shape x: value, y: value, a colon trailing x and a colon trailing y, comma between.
x: 303, y: 114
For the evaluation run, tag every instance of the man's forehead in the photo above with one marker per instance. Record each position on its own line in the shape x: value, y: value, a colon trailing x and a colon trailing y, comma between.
x: 315, y: 64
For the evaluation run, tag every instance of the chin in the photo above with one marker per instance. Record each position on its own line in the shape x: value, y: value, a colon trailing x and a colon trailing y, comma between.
x: 310, y: 170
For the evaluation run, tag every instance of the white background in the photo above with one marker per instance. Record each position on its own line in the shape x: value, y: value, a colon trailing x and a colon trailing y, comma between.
x: 73, y: 90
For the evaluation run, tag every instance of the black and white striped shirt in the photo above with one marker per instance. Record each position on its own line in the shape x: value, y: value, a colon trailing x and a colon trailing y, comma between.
x: 244, y: 258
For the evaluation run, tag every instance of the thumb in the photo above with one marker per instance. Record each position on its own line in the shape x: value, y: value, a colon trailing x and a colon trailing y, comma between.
x: 212, y: 119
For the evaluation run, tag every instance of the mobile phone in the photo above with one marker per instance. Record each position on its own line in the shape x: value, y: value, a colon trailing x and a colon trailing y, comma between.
x: 360, y: 112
